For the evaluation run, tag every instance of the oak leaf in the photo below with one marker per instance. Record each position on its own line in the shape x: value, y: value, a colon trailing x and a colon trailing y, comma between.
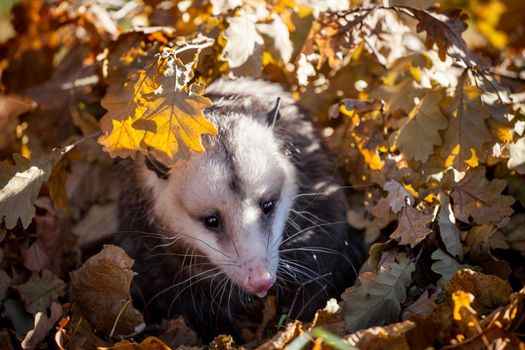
x: 392, y: 336
x: 12, y: 106
x: 445, y: 265
x: 412, y: 227
x: 20, y: 184
x: 243, y: 49
x: 444, y: 30
x: 466, y: 136
x: 400, y: 96
x: 157, y: 111
x: 398, y: 196
x: 418, y: 136
x: 475, y: 196
x: 517, y: 156
x: 378, y: 299
x: 447, y: 227
x: 43, y: 325
x: 40, y: 291
x: 176, y: 119
x: 490, y: 291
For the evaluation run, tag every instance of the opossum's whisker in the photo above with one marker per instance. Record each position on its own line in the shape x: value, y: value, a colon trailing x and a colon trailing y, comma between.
x: 235, y: 247
x: 215, y: 287
x: 197, y: 239
x: 312, y: 298
x: 308, y: 228
x: 328, y: 183
x: 301, y: 269
x: 189, y: 279
x: 189, y: 286
x: 284, y: 272
x: 318, y: 250
x: 172, y: 254
x: 302, y: 213
x: 293, y: 223
x: 318, y: 225
x: 336, y: 188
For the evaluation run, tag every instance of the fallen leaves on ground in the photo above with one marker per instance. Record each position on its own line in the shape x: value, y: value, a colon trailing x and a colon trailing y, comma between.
x: 424, y: 114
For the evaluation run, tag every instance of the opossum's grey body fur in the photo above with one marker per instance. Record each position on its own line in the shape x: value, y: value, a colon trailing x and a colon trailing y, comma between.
x: 328, y: 249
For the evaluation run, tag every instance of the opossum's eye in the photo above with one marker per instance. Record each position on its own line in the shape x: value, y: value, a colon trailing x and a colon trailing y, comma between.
x: 212, y: 221
x: 267, y: 206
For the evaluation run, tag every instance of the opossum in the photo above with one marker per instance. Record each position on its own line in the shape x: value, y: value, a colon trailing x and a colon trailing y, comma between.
x: 261, y: 211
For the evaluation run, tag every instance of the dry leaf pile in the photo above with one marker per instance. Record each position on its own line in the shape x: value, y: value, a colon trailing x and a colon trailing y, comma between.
x: 424, y: 107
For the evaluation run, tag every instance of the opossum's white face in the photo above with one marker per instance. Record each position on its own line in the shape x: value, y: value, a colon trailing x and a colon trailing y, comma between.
x: 231, y: 203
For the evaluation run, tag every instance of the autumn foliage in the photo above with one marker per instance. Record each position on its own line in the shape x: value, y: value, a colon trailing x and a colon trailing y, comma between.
x: 423, y: 106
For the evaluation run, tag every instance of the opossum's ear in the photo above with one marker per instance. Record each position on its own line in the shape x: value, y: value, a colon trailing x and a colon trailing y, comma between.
x: 160, y: 169
x: 274, y: 115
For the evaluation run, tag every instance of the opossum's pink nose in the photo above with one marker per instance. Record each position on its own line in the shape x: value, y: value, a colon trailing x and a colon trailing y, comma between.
x: 258, y: 282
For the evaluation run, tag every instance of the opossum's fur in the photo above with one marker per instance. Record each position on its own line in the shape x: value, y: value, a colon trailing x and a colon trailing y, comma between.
x: 319, y: 254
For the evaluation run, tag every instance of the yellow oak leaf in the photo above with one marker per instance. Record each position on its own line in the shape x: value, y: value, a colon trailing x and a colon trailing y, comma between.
x: 124, y: 140
x: 120, y: 138
x: 178, y: 119
x: 156, y: 111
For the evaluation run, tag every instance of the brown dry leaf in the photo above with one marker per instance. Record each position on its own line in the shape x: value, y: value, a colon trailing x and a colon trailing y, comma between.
x: 444, y: 30
x: 279, y: 341
x: 40, y: 291
x: 12, y: 106
x: 422, y: 307
x: 398, y: 97
x: 175, y: 333
x: 412, y: 227
x: 43, y: 325
x: 5, y: 340
x: 5, y: 283
x: 378, y: 299
x: 58, y: 180
x: 418, y: 136
x: 150, y: 343
x: 222, y: 342
x: 489, y: 291
x: 398, y: 196
x: 445, y: 265
x: 514, y: 233
x: 466, y: 136
x: 103, y: 283
x: 392, y: 336
x: 35, y: 258
x: 50, y: 237
x: 475, y: 196
x: 447, y: 227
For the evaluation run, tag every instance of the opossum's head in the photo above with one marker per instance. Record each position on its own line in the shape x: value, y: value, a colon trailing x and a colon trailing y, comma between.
x: 231, y: 202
